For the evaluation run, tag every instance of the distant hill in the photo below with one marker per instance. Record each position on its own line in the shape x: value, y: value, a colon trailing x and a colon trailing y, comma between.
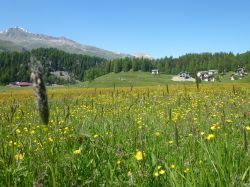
x: 19, y: 39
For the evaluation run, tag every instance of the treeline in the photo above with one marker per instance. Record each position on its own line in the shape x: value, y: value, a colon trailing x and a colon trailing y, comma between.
x: 191, y: 63
x: 15, y: 66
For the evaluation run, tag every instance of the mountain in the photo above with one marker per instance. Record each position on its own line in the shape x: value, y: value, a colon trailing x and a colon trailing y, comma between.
x: 10, y: 46
x: 19, y: 39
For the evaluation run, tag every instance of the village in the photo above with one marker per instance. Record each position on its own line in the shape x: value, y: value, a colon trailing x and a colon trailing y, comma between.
x: 211, y: 75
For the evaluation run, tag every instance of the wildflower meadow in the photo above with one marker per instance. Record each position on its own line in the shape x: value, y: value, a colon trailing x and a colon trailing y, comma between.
x: 174, y: 135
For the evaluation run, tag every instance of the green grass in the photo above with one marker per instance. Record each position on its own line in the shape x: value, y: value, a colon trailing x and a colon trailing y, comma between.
x: 226, y: 79
x: 95, y: 136
x: 126, y: 79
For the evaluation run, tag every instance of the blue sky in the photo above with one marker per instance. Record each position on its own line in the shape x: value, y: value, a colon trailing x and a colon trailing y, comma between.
x: 157, y: 27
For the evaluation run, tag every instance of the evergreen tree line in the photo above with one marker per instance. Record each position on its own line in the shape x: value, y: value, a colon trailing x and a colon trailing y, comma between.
x: 223, y: 62
x: 15, y: 66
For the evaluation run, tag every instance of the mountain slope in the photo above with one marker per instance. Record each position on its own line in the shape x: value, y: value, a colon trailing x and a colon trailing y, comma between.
x: 10, y: 46
x: 16, y: 39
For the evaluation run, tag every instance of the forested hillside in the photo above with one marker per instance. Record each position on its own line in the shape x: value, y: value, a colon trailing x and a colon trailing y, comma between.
x: 15, y: 66
x: 191, y: 63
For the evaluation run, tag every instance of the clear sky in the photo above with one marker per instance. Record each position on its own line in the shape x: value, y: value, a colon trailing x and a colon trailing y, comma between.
x: 156, y: 27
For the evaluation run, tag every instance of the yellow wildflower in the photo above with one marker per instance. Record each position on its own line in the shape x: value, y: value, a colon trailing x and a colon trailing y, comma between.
x: 170, y: 142
x: 129, y: 174
x: 156, y: 174
x: 172, y: 166
x: 248, y: 128
x: 215, y: 127
x: 210, y: 136
x: 186, y: 170
x: 50, y: 139
x: 18, y: 131
x: 139, y: 155
x: 161, y: 172
x: 96, y: 136
x: 77, y: 152
x: 118, y: 162
x: 157, y: 134
x: 19, y: 156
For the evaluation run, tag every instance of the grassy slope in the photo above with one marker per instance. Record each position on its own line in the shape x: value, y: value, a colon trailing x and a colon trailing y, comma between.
x: 125, y: 79
x: 9, y: 46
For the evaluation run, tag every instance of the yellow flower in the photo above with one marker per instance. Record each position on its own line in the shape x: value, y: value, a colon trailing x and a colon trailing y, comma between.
x: 96, y: 136
x: 129, y: 174
x: 202, y: 133
x: 162, y: 171
x: 210, y: 136
x: 157, y: 134
x: 32, y: 132
x: 19, y: 156
x: 18, y: 131
x: 156, y: 174
x: 25, y: 129
x: 172, y: 166
x: 118, y: 162
x: 139, y: 155
x: 77, y: 152
x: 50, y: 139
x: 215, y: 127
x: 158, y: 167
x: 170, y: 142
x: 248, y: 128
x: 186, y: 170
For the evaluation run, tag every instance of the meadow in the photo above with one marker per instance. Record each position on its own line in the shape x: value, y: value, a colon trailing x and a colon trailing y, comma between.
x: 141, y: 79
x: 172, y: 135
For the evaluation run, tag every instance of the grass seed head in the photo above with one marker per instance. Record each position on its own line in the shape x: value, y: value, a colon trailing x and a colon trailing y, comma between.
x: 40, y: 90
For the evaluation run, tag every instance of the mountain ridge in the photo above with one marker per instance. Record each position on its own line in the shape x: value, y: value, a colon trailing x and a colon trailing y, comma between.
x: 20, y: 38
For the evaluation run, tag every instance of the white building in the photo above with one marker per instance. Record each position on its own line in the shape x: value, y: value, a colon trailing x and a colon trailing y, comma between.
x: 155, y: 71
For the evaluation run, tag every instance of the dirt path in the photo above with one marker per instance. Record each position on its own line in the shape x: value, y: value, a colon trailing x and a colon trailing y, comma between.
x: 178, y: 78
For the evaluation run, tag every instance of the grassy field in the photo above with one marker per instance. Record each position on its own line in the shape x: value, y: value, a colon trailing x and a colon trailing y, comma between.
x: 126, y: 79
x: 150, y: 136
x: 226, y: 79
